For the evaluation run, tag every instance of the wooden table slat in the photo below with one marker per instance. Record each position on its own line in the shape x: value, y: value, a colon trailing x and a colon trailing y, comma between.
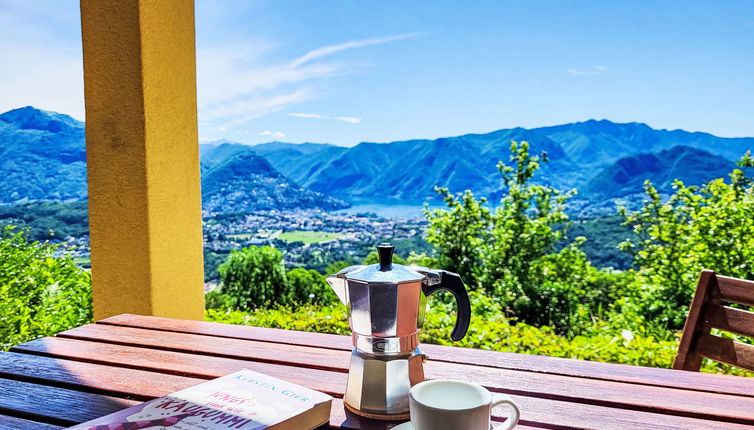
x: 95, y: 369
x: 95, y: 378
x: 55, y: 405
x: 697, y: 381
x: 315, y: 358
x: 15, y: 423
x: 179, y: 363
x: 590, y: 391
x: 535, y: 412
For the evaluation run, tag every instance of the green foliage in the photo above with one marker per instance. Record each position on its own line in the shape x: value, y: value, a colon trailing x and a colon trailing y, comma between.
x: 213, y: 260
x: 511, y: 253
x: 522, y: 230
x: 404, y: 247
x: 695, y: 228
x: 459, y: 233
x: 40, y: 294
x: 337, y: 267
x: 48, y: 220
x: 309, y: 286
x: 253, y: 277
x: 534, y: 290
x: 603, y: 235
x: 215, y: 299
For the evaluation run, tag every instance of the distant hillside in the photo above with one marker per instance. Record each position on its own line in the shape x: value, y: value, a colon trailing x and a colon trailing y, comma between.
x: 598, y: 143
x: 409, y: 170
x: 244, y: 181
x: 42, y: 156
x: 627, y: 175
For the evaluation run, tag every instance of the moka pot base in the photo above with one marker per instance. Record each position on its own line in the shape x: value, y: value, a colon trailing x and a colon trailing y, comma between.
x: 378, y: 385
x: 386, y: 417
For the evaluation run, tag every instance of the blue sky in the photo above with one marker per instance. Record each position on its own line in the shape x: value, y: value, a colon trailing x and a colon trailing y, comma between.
x: 349, y: 71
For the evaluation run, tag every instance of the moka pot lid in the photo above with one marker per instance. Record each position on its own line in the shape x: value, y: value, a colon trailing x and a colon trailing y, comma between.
x: 384, y: 272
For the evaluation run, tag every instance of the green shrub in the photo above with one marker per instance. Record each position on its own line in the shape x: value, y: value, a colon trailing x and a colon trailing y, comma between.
x: 40, y: 294
x: 707, y: 227
x: 254, y: 277
x: 309, y: 286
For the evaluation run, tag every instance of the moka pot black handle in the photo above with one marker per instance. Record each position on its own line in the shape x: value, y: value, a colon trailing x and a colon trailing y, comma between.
x: 450, y: 281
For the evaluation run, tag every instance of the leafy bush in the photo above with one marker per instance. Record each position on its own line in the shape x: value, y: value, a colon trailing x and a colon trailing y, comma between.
x: 40, y: 294
x: 708, y: 227
x: 511, y: 252
x: 254, y: 277
x: 309, y: 286
x: 48, y: 220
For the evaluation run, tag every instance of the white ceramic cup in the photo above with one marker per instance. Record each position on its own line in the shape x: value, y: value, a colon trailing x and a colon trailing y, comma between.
x: 444, y: 404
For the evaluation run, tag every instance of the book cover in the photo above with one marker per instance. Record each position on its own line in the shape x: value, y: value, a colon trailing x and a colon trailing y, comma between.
x: 244, y: 400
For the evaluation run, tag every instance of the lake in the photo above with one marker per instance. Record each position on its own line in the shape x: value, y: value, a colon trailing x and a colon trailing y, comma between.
x: 389, y: 208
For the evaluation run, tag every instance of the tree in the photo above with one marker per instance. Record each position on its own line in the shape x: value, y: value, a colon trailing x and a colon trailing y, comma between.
x: 40, y: 293
x: 707, y: 227
x: 511, y: 252
x: 308, y: 286
x: 255, y: 277
x: 459, y: 233
x: 524, y: 227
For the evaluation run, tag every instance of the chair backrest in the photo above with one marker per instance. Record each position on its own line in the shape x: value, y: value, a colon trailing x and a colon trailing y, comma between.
x: 708, y: 311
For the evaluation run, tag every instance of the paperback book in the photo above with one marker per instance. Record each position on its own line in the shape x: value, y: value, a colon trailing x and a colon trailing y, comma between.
x: 244, y: 400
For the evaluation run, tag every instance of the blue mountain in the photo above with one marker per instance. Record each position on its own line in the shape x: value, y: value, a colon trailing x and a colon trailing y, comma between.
x: 42, y: 156
x: 626, y: 176
x: 240, y: 180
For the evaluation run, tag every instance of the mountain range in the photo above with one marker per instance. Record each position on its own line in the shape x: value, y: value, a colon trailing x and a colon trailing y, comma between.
x: 42, y: 156
x: 602, y: 159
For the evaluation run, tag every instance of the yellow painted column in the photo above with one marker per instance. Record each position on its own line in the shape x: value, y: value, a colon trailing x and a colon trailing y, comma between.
x: 143, y: 157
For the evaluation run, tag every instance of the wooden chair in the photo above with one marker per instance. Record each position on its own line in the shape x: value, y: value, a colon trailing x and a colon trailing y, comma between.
x: 708, y: 311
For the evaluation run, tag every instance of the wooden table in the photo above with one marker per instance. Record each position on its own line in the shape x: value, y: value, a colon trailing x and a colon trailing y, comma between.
x: 99, y: 368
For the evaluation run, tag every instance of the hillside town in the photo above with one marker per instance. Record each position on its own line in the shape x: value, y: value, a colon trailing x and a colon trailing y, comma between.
x: 301, y: 233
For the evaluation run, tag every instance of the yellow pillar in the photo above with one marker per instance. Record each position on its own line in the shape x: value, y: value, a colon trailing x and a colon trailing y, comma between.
x: 143, y: 157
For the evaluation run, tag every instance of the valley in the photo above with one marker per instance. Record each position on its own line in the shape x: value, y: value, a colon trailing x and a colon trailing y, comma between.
x: 321, y: 203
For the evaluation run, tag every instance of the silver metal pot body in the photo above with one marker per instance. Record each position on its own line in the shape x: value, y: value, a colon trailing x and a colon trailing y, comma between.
x: 386, y: 305
x: 385, y: 318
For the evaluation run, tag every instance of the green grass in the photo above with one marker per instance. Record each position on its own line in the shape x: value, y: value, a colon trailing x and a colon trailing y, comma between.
x: 241, y: 236
x: 309, y: 236
x: 84, y: 262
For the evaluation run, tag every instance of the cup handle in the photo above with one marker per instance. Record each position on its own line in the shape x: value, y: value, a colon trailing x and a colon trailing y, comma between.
x: 502, y: 399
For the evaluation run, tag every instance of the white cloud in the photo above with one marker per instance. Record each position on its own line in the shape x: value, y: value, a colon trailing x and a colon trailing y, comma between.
x: 600, y: 68
x: 274, y: 134
x: 308, y: 115
x: 242, y: 109
x: 575, y: 72
x: 348, y: 119
x: 236, y: 81
x: 235, y: 84
x: 332, y: 49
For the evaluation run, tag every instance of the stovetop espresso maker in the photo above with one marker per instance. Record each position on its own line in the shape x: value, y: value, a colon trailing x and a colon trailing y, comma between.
x: 386, y: 304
